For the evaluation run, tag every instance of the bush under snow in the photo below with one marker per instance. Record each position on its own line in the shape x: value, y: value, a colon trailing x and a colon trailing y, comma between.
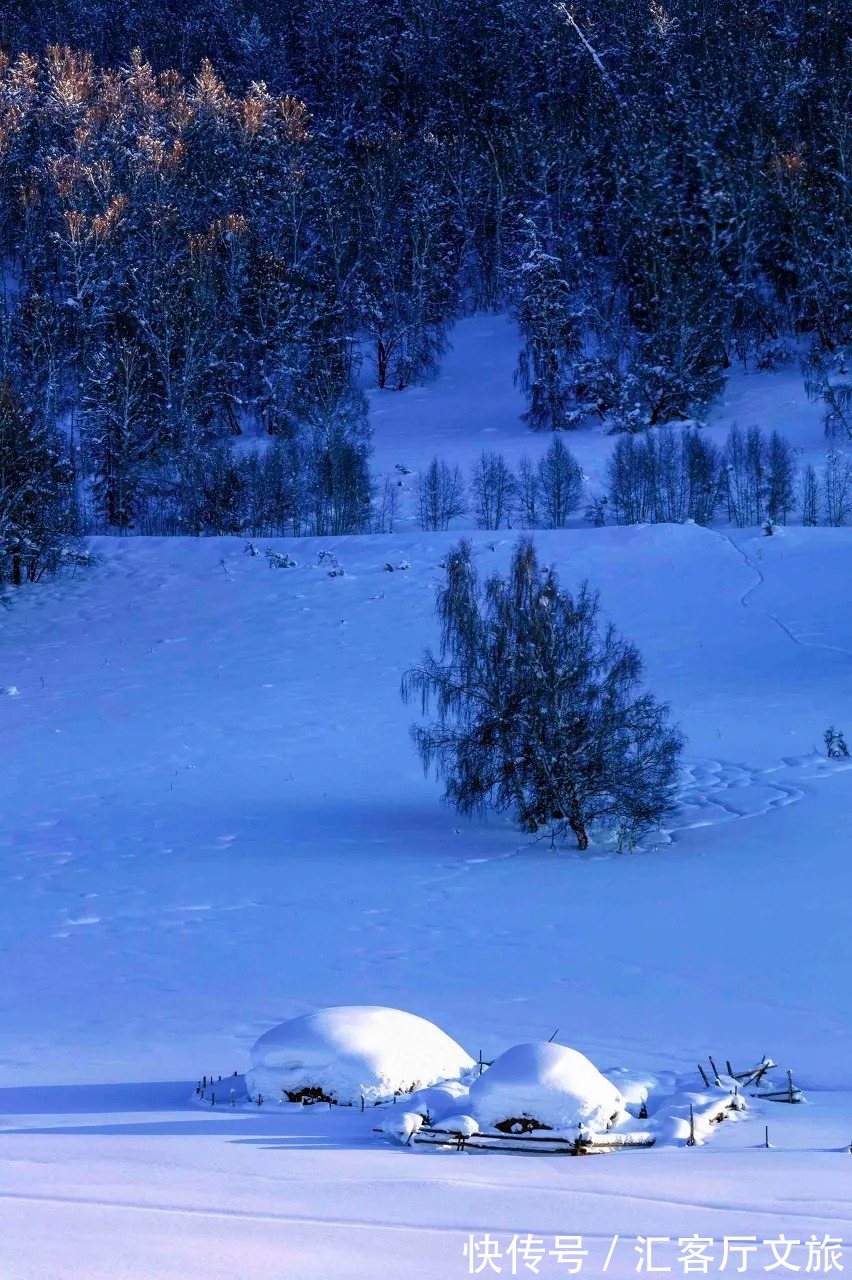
x: 555, y: 1086
x: 444, y: 1099
x: 401, y: 1127
x: 354, y: 1051
x: 464, y: 1126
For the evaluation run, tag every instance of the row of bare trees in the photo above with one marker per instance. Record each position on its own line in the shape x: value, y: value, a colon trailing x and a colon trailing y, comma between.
x: 542, y: 495
x: 666, y: 476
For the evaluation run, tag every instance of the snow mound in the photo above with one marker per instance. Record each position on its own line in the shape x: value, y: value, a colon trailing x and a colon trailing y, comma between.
x: 354, y: 1051
x: 440, y: 1100
x: 548, y: 1083
x: 402, y: 1128
x: 464, y: 1126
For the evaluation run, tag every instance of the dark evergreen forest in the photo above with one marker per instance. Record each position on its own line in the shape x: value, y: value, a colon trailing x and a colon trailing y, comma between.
x: 210, y: 212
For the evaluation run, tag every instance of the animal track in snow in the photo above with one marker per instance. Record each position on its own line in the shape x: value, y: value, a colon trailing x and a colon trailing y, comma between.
x: 761, y: 580
x: 715, y: 791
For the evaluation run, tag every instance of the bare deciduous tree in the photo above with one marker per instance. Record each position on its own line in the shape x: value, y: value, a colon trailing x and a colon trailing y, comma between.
x: 837, y: 489
x: 440, y: 495
x: 528, y: 493
x: 811, y: 496
x: 781, y: 482
x: 560, y: 481
x: 493, y: 491
x: 668, y: 475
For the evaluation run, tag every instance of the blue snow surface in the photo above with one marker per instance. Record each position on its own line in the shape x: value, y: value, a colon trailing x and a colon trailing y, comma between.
x: 214, y: 820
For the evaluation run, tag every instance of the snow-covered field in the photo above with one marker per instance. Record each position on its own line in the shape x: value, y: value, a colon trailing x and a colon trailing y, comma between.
x: 213, y: 820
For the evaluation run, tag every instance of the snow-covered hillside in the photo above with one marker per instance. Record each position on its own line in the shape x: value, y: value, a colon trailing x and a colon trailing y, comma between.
x: 213, y: 820
x: 473, y: 405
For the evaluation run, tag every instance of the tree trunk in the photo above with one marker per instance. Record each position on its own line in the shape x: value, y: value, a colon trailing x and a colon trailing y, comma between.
x: 577, y: 826
x: 382, y: 362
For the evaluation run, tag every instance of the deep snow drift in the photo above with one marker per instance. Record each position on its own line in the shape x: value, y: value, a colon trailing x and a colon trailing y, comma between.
x: 214, y: 820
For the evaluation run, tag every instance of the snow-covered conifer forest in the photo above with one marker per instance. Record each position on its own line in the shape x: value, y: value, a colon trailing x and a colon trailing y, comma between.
x: 426, y: 653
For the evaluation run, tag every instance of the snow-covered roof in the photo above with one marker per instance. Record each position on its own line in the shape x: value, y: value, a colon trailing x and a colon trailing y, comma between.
x: 354, y: 1051
x: 550, y: 1083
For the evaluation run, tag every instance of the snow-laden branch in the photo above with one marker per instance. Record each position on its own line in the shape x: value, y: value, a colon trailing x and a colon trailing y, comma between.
x: 570, y: 19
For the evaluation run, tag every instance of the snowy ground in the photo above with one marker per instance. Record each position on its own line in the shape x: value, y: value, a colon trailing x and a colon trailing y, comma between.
x: 213, y: 820
x: 474, y: 405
